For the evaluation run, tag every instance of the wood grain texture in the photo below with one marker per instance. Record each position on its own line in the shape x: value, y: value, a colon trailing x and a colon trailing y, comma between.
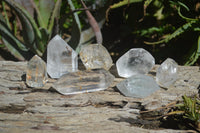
x: 24, y: 109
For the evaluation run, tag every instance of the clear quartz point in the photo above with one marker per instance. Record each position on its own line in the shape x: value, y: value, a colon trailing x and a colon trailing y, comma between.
x: 84, y: 81
x: 95, y: 56
x: 36, y: 75
x: 61, y: 58
x: 167, y: 73
x: 135, y: 61
x: 138, y: 86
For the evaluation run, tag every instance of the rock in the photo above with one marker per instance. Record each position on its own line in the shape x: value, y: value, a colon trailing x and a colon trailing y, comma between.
x: 95, y: 56
x: 36, y: 74
x: 167, y: 73
x: 135, y: 61
x: 61, y: 58
x: 138, y: 86
x: 84, y: 81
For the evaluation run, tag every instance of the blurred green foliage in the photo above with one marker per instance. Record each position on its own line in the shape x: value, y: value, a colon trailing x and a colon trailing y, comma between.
x: 164, y: 23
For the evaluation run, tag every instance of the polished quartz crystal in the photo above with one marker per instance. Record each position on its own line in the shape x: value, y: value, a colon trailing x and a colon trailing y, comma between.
x: 36, y: 75
x: 83, y: 81
x: 61, y: 58
x: 167, y: 73
x: 95, y: 56
x: 138, y: 86
x: 135, y: 61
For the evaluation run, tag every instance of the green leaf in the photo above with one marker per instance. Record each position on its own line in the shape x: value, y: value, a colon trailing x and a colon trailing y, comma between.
x: 45, y: 37
x: 31, y: 31
x: 188, y: 26
x: 124, y: 2
x: 13, y: 50
x: 120, y: 4
x: 44, y: 11
x: 11, y: 42
x: 6, y: 15
x: 193, y: 54
x: 55, y: 15
x: 6, y: 33
x: 76, y: 30
x: 183, y: 5
x: 182, y: 16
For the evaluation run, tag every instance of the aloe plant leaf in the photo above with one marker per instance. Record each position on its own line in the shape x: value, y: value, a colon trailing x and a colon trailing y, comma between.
x: 13, y: 50
x: 38, y: 47
x: 11, y: 42
x: 5, y: 31
x: 30, y: 29
x: 27, y: 4
x: 55, y: 15
x: 6, y: 15
x: 45, y: 37
x: 20, y: 10
x: 76, y: 30
x: 44, y: 11
x: 27, y: 32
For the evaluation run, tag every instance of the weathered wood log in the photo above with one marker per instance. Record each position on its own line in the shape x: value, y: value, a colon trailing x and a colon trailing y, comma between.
x: 24, y: 109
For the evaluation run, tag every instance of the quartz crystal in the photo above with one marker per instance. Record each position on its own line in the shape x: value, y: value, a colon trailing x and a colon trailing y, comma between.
x: 135, y: 61
x: 61, y: 58
x: 167, y: 73
x: 83, y: 81
x: 95, y: 56
x: 36, y: 75
x: 138, y: 86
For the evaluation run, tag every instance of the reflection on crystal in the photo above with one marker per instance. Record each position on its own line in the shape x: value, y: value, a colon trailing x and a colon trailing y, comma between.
x: 95, y: 56
x: 135, y: 61
x: 167, y: 73
x: 61, y: 58
x: 138, y: 86
x: 84, y: 81
x: 36, y: 74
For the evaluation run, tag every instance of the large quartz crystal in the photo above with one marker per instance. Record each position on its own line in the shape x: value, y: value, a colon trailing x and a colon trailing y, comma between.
x: 167, y: 73
x: 83, y: 81
x: 138, y: 86
x: 135, y: 61
x: 61, y: 58
x: 36, y: 75
x: 95, y: 56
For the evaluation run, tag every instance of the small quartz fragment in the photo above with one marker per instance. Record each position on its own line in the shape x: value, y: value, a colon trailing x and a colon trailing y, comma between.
x: 36, y: 75
x: 135, y: 61
x: 61, y: 58
x: 167, y: 73
x: 138, y: 86
x: 95, y: 56
x: 84, y: 81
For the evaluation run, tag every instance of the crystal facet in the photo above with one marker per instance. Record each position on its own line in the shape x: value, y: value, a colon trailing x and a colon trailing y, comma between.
x: 95, y: 56
x: 167, y: 73
x: 61, y: 58
x: 138, y: 86
x: 36, y: 75
x: 84, y: 81
x: 135, y: 61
